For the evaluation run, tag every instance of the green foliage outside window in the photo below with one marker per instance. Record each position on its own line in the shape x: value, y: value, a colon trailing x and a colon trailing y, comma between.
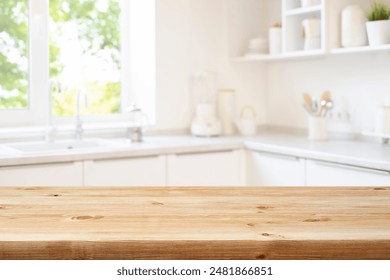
x: 13, y: 54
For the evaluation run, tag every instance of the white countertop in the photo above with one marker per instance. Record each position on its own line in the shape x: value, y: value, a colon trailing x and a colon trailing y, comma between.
x: 358, y: 153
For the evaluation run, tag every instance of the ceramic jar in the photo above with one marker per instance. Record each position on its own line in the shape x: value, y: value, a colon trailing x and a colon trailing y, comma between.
x: 311, y: 32
x: 275, y: 40
x: 353, y: 27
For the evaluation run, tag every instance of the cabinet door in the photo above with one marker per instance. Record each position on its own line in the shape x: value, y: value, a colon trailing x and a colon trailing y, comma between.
x: 221, y: 168
x: 139, y: 171
x: 43, y: 175
x: 331, y: 174
x: 268, y: 169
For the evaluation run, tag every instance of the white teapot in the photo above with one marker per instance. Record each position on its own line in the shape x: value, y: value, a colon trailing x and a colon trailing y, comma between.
x: 246, y: 123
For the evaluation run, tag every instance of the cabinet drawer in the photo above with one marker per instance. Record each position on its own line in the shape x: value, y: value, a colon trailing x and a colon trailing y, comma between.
x: 43, y: 175
x: 333, y: 174
x: 221, y: 168
x: 141, y: 171
x: 269, y: 169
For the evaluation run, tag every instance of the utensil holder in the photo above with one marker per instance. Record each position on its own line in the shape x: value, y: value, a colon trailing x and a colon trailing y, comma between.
x: 318, y: 129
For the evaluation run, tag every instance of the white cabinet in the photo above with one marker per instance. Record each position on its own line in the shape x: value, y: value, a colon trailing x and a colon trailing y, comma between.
x: 219, y: 168
x: 269, y: 169
x: 42, y: 175
x: 138, y: 171
x: 331, y: 174
x: 294, y: 17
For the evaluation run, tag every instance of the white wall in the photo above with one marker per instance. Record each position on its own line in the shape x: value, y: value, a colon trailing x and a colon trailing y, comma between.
x: 192, y: 35
x: 357, y: 82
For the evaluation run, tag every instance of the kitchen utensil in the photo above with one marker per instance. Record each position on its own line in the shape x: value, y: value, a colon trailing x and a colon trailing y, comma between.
x: 326, y: 95
x: 308, y: 103
x: 325, y: 98
x: 246, y: 124
x: 329, y: 106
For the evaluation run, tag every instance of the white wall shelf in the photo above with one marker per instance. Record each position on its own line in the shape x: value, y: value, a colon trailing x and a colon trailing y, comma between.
x: 363, y: 49
x: 313, y: 54
x: 281, y: 57
x: 291, y: 14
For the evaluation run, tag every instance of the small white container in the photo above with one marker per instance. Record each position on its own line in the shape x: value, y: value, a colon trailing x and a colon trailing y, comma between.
x: 275, y: 40
x: 383, y: 121
x: 258, y: 46
x: 353, y: 27
x: 318, y: 129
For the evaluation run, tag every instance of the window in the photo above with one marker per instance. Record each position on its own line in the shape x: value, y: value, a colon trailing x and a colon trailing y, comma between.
x: 104, y: 49
x: 13, y: 54
x: 85, y: 50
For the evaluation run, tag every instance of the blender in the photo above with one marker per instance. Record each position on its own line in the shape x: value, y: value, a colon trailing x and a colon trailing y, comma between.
x: 205, y: 122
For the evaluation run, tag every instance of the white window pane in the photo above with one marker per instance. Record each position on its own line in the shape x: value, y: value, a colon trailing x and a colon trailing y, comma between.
x: 85, y: 54
x: 14, y: 54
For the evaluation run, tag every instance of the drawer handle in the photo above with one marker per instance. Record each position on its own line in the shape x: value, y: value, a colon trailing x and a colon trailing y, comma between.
x: 39, y: 165
x: 353, y: 167
x: 204, y: 152
x: 125, y: 158
x: 278, y: 156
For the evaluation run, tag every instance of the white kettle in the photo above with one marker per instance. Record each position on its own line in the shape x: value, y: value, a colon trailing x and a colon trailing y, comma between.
x: 246, y: 123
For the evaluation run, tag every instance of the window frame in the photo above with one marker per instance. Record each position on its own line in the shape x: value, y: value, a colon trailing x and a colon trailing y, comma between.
x: 37, y: 112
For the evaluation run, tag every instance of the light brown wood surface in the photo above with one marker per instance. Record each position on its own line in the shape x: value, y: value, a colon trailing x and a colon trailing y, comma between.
x: 195, y: 223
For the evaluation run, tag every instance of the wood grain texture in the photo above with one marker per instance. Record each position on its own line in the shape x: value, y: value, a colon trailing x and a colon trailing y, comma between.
x: 195, y: 223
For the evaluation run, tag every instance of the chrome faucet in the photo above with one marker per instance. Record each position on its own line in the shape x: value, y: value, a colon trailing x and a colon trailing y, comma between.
x: 50, y: 129
x: 79, y: 122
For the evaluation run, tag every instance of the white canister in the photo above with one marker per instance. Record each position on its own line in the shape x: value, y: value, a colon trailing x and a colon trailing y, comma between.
x: 225, y: 107
x: 318, y: 129
x: 306, y: 3
x: 311, y: 32
x: 353, y: 27
x: 383, y: 121
x: 275, y: 40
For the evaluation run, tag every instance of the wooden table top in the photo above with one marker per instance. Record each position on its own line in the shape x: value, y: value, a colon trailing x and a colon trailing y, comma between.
x: 195, y: 223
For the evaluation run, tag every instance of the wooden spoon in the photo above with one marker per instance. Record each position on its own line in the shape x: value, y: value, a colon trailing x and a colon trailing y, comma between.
x: 326, y: 96
x: 308, y: 102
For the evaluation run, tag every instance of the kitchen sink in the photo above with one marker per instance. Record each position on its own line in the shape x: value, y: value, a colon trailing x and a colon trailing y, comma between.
x: 61, y: 146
